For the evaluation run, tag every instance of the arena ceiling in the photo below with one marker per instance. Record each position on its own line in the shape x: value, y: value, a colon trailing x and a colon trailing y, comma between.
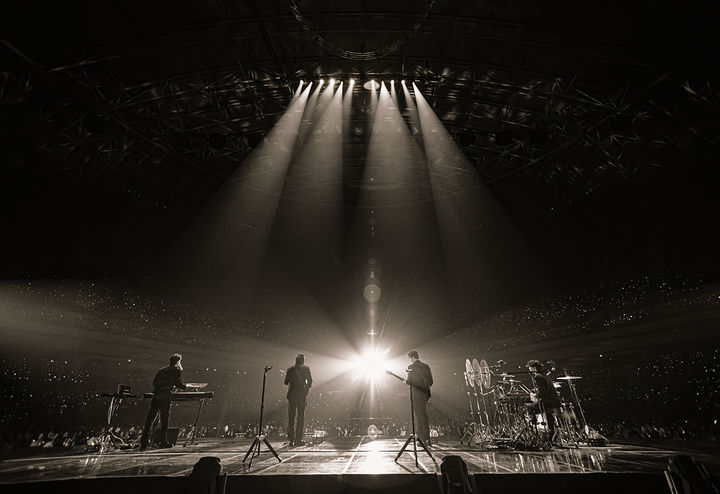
x: 163, y: 100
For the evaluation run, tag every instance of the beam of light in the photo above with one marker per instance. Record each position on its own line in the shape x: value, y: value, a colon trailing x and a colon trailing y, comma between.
x: 393, y: 93
x: 347, y: 101
x: 299, y: 91
x: 373, y: 99
x: 223, y: 250
x: 481, y: 247
x: 413, y: 114
x: 310, y: 218
x: 393, y: 173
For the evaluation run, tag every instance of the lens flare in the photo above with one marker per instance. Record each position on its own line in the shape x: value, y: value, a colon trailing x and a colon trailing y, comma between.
x: 372, y: 364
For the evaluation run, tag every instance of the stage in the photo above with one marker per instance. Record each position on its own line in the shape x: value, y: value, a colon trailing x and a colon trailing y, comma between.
x: 340, y: 457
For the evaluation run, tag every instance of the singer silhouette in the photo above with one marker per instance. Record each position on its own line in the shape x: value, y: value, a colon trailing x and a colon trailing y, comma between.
x: 299, y: 380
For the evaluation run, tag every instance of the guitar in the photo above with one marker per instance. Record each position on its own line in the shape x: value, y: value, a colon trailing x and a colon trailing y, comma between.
x: 425, y: 390
x: 394, y: 375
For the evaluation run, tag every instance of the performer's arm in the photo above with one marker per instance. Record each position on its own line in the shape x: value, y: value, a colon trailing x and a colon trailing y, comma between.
x: 409, y: 380
x: 178, y: 381
x: 287, y: 377
x: 309, y: 379
x: 429, y: 377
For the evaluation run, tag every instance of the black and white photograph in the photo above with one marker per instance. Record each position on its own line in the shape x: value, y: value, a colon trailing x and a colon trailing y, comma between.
x: 359, y: 246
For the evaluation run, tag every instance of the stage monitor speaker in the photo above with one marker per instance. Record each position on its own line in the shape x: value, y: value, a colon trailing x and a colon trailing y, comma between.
x: 172, y: 435
x: 204, y: 476
x: 455, y: 478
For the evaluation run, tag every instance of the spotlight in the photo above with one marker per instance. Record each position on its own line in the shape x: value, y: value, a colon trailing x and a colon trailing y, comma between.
x: 352, y: 81
x: 392, y: 81
x: 321, y: 82
x: 331, y: 82
x: 372, y: 363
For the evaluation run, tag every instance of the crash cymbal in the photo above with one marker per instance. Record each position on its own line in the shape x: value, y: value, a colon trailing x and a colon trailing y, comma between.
x: 469, y: 373
x: 476, y: 373
x: 485, y: 374
x: 568, y: 378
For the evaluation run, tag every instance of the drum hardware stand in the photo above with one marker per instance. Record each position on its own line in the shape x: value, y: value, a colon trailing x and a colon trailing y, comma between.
x: 470, y: 430
x: 567, y: 437
x: 412, y: 437
x: 573, y: 392
x: 260, y: 438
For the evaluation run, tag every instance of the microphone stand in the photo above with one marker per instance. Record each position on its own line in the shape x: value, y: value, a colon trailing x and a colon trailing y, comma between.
x: 260, y: 438
x: 413, y: 437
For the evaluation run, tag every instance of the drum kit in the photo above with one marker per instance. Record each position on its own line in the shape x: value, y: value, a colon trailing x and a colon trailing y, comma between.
x: 501, y: 407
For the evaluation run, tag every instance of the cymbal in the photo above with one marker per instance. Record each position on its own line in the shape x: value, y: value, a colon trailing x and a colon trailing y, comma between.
x: 485, y: 375
x: 505, y: 374
x: 568, y: 378
x: 476, y: 373
x: 469, y: 373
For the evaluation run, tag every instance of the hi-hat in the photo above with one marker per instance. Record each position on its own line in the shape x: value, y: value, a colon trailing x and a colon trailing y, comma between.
x: 568, y: 378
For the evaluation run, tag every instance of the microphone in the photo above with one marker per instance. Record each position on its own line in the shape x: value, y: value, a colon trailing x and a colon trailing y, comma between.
x: 268, y: 367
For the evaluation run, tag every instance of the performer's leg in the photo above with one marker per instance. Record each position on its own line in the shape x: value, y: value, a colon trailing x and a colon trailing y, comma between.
x: 164, y: 417
x: 148, y: 423
x: 422, y: 427
x: 424, y: 422
x: 291, y: 421
x: 300, y: 428
x: 552, y: 422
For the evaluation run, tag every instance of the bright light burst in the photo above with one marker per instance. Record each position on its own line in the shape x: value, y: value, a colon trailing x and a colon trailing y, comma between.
x: 372, y: 364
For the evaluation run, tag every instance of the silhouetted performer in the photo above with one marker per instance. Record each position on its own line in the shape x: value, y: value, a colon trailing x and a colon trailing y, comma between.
x: 547, y: 395
x: 299, y: 379
x: 420, y: 379
x: 165, y: 381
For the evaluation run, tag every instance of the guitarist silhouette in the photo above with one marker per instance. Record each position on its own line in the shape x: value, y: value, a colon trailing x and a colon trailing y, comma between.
x: 419, y: 379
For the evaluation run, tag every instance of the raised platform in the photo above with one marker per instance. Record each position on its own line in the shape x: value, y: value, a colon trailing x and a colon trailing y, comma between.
x: 343, y: 462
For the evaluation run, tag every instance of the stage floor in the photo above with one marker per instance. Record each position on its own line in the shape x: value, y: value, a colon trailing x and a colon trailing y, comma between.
x: 339, y: 456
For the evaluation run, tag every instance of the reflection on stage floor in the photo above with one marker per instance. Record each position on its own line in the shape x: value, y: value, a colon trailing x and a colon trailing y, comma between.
x: 339, y: 457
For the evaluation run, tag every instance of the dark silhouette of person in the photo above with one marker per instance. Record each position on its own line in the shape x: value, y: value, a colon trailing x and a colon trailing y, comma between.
x: 548, y: 399
x: 166, y: 379
x: 299, y: 379
x: 420, y: 379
